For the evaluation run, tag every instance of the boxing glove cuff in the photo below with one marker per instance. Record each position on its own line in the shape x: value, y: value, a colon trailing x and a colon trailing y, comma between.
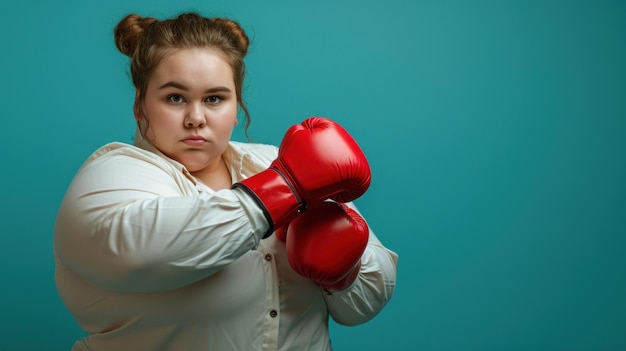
x: 275, y: 195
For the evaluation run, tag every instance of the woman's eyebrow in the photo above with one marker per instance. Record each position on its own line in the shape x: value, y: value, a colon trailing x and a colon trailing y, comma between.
x: 180, y: 86
x: 173, y: 85
x: 218, y: 89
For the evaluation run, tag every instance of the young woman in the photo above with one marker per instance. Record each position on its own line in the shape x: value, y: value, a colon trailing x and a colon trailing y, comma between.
x: 187, y: 240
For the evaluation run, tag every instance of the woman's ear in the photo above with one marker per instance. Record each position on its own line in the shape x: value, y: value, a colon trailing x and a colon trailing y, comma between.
x: 137, y: 107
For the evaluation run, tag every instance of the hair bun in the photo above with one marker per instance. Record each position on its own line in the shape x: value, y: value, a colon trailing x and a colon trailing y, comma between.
x: 128, y: 31
x: 240, y: 39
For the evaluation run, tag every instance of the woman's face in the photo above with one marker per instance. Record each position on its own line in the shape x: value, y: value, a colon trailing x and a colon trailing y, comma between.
x: 191, y: 107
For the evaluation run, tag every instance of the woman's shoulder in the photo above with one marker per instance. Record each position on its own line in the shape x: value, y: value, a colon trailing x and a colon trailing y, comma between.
x: 118, y: 164
x: 255, y: 150
x: 124, y: 155
x: 254, y: 146
x: 116, y: 148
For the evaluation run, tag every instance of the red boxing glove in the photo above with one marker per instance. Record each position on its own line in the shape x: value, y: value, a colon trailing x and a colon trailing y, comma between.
x: 325, y: 244
x: 317, y: 160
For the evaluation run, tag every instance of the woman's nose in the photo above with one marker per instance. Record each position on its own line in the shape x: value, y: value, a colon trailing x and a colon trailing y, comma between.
x: 195, y: 117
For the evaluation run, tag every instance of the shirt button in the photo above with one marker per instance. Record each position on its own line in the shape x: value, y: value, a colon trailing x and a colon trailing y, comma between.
x: 268, y: 257
x: 273, y: 313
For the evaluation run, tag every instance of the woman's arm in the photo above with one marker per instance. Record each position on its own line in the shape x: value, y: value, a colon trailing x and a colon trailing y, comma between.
x: 125, y: 225
x: 372, y: 289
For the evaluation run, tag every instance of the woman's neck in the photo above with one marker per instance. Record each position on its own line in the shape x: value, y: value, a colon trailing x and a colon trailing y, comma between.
x: 216, y: 178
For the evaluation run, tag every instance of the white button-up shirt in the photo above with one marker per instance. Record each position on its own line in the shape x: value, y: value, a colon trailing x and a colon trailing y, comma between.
x: 149, y: 258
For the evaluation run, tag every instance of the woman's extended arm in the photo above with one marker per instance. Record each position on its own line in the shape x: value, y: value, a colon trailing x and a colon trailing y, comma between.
x: 128, y: 225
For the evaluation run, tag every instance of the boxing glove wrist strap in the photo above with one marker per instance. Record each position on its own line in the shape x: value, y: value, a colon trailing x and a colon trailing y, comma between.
x: 275, y: 195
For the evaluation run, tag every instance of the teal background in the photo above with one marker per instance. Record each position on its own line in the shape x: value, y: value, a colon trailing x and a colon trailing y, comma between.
x: 496, y: 133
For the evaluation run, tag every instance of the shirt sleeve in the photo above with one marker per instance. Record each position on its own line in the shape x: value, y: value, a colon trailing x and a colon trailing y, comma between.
x: 125, y: 226
x: 372, y: 289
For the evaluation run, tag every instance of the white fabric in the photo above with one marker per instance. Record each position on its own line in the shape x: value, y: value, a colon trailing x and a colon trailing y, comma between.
x: 148, y: 258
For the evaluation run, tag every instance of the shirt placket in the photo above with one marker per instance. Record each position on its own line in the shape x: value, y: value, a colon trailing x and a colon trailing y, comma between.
x: 272, y: 311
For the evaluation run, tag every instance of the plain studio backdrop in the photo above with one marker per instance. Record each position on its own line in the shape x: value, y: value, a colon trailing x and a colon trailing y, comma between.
x: 496, y: 133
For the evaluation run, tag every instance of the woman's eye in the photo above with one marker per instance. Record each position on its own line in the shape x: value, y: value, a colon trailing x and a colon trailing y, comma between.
x: 176, y: 99
x: 213, y: 100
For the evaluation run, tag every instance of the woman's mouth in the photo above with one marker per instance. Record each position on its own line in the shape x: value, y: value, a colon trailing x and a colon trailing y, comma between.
x: 194, y: 140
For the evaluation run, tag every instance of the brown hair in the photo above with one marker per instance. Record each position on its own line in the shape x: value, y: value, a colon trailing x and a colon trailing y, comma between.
x: 147, y: 41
